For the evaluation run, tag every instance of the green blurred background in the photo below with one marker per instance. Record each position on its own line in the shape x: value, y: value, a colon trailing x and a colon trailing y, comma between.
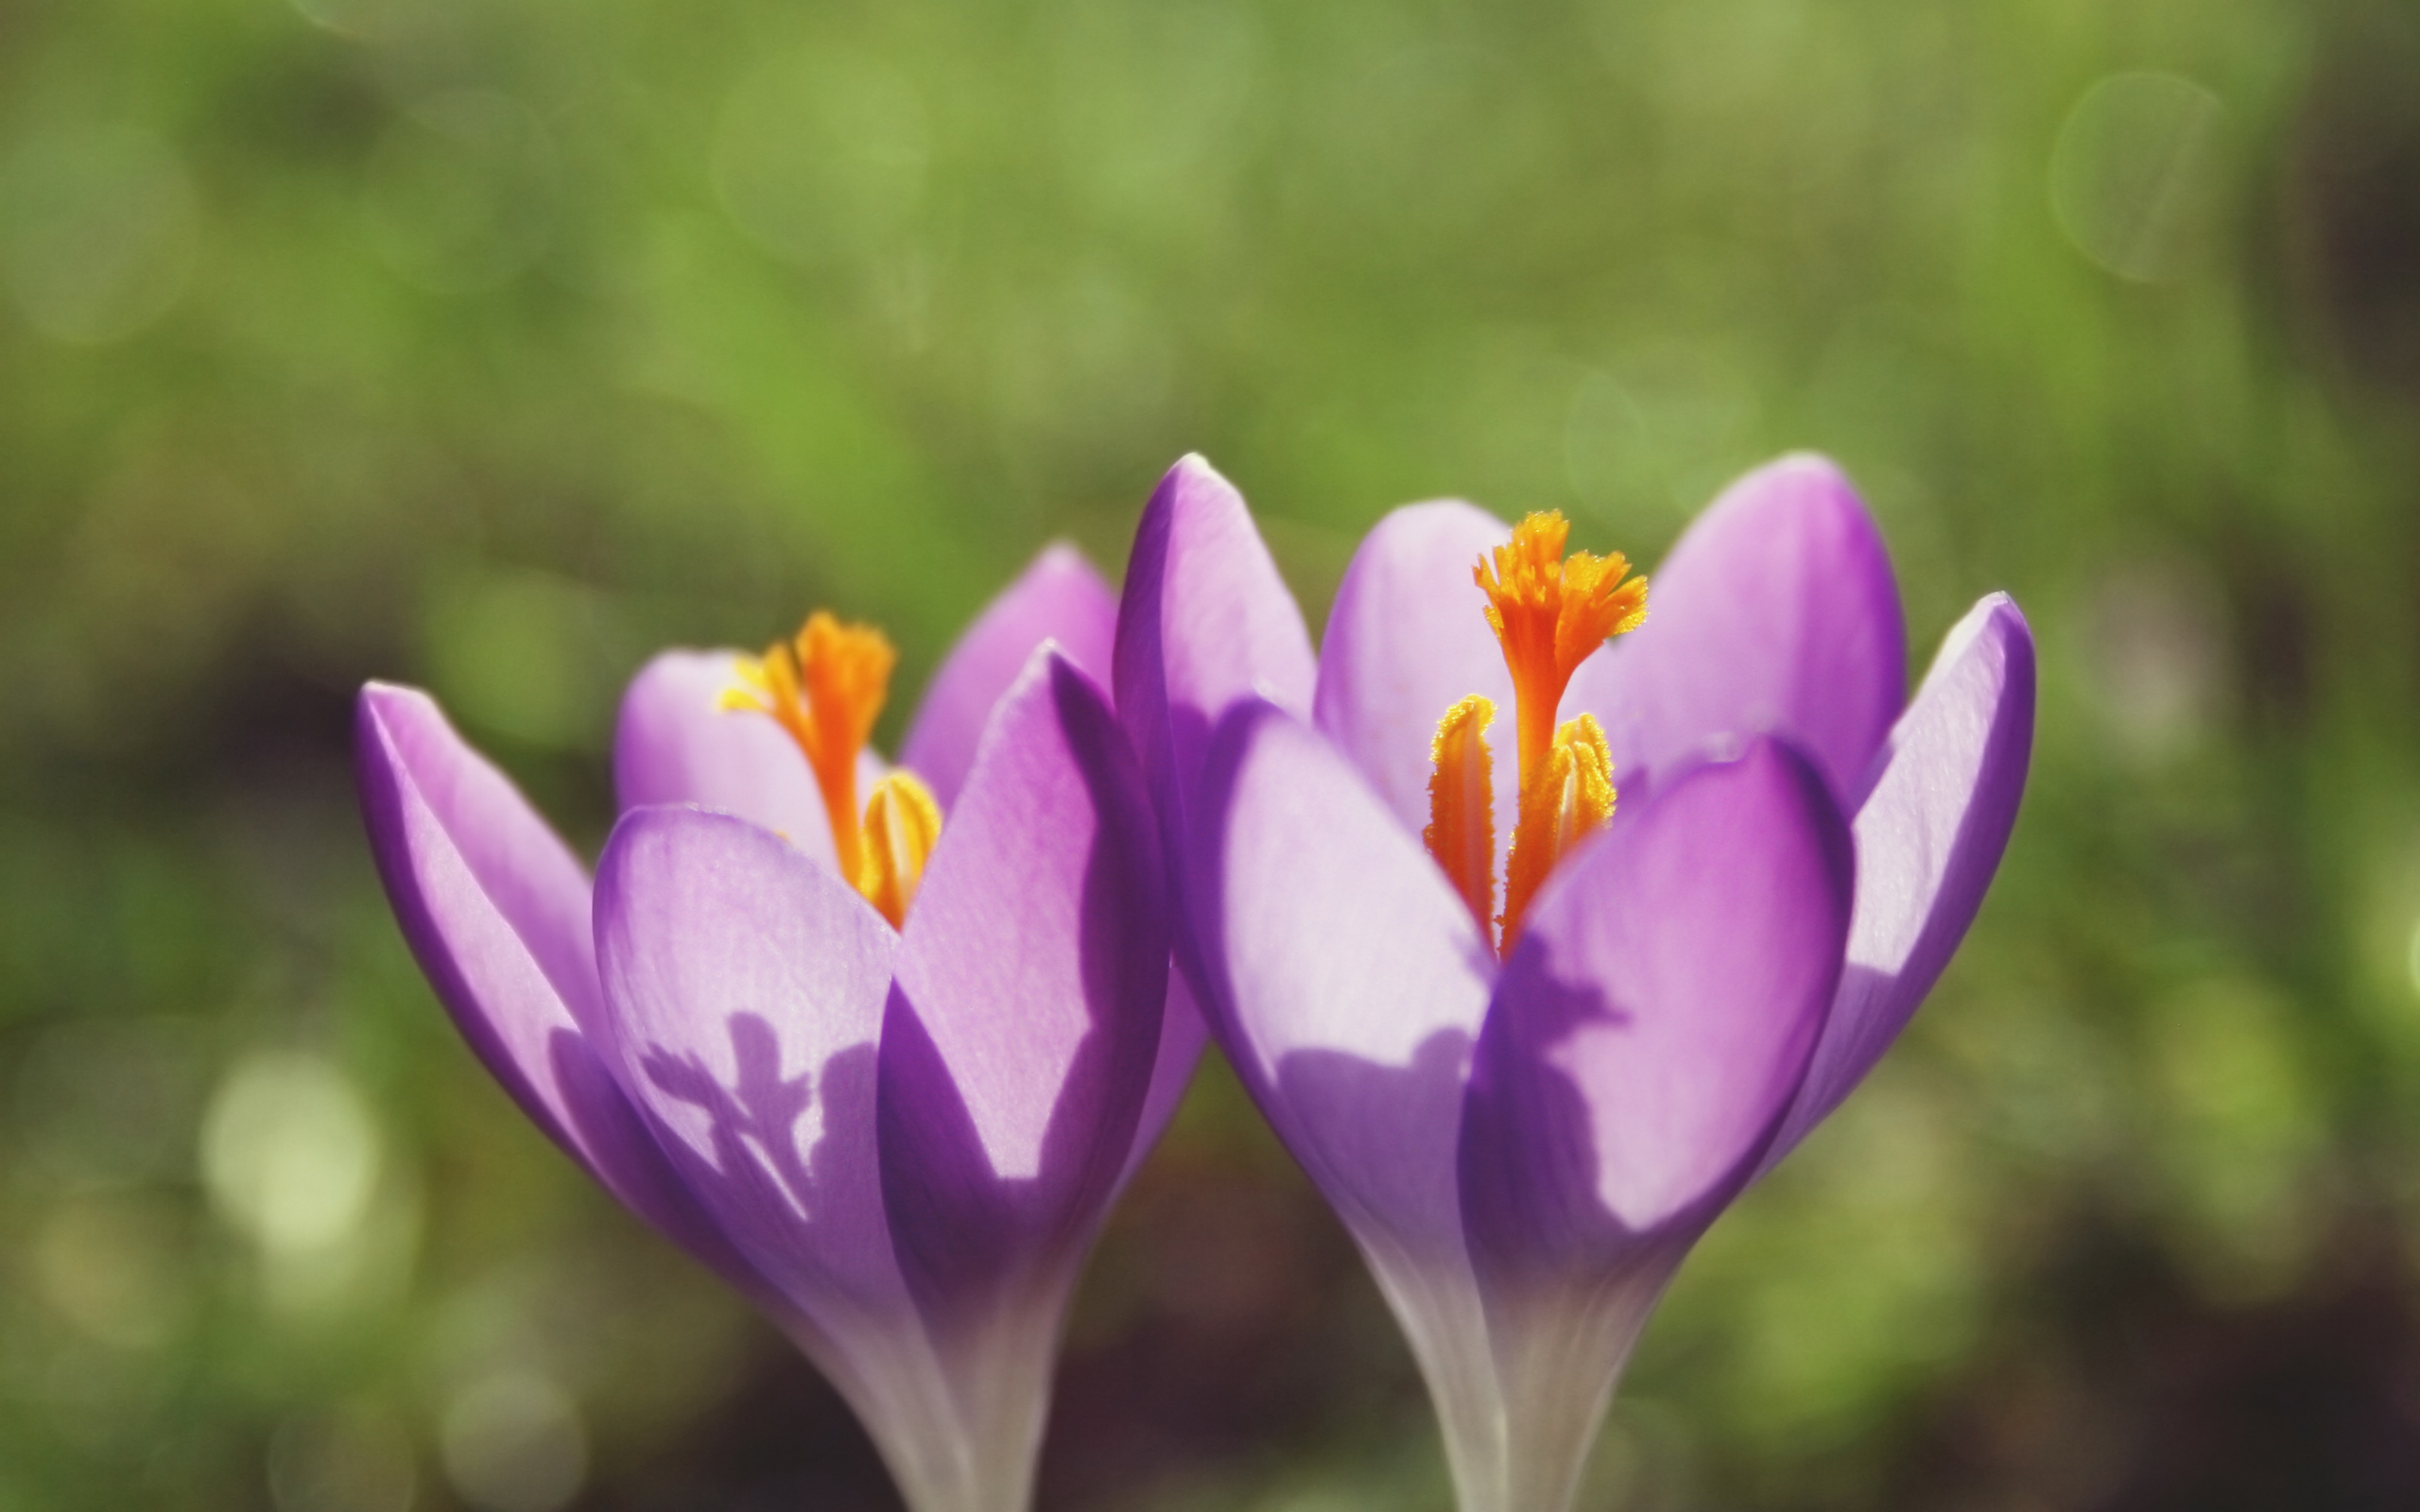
x: 490, y: 345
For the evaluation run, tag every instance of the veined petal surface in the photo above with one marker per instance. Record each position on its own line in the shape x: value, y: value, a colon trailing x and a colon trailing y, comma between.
x: 1645, y: 1037
x: 1409, y: 637
x: 1657, y: 1015
x: 1352, y: 980
x: 1346, y: 982
x: 1775, y: 613
x: 495, y: 909
x: 1018, y: 1048
x: 1059, y: 598
x: 1928, y: 841
x: 1019, y: 1039
x: 745, y: 986
x: 1205, y: 621
x: 675, y: 743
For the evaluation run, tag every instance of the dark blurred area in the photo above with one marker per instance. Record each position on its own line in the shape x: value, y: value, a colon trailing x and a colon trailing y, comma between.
x: 489, y: 346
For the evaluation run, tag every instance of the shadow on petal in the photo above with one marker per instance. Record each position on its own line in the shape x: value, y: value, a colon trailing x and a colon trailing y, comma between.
x: 979, y: 1207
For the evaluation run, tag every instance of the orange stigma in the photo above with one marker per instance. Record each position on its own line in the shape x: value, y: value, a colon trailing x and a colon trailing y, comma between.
x: 825, y: 685
x: 1549, y: 612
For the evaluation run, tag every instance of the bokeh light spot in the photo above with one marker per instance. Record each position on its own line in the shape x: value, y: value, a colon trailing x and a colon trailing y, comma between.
x: 2134, y: 171
x: 113, y: 1267
x: 513, y: 1442
x: 2158, y: 658
x: 289, y: 1153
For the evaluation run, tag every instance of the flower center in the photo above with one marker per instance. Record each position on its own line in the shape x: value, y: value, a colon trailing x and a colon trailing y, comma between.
x: 1550, y: 613
x: 825, y: 686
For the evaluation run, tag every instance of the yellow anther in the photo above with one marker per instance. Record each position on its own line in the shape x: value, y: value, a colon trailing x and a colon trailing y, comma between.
x: 902, y: 825
x: 1549, y: 611
x: 1569, y: 799
x: 826, y: 686
x: 1462, y: 807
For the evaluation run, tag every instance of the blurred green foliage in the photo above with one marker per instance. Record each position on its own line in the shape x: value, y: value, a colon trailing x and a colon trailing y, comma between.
x: 489, y: 346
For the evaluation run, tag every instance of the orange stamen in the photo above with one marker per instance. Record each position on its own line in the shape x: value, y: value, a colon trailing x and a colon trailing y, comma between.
x: 902, y: 825
x: 824, y: 685
x: 1462, y: 807
x: 1549, y: 612
x: 1570, y: 798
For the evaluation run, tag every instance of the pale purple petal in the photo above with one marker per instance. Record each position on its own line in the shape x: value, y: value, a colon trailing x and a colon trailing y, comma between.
x: 1020, y: 1037
x: 1347, y: 979
x: 1654, y: 1019
x: 1927, y: 842
x: 1346, y: 982
x: 1058, y: 598
x: 1206, y: 620
x: 1409, y: 639
x: 674, y: 743
x: 746, y: 987
x: 1776, y: 613
x: 497, y: 910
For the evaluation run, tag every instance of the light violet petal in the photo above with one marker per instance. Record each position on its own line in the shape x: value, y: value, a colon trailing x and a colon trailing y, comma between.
x: 1058, y: 598
x: 497, y: 910
x: 1205, y: 621
x: 1927, y: 842
x: 745, y: 985
x: 1775, y: 613
x: 674, y: 743
x: 1409, y: 639
x: 1347, y: 980
x: 1021, y: 1034
x: 1654, y: 1019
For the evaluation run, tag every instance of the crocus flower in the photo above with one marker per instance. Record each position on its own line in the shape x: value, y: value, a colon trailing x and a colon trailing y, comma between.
x: 876, y: 1048
x: 1532, y: 1013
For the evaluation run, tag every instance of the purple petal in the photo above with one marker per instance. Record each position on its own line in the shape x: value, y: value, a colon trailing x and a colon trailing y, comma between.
x: 1347, y: 981
x: 746, y: 986
x: 1206, y: 620
x: 1654, y: 1019
x: 1058, y: 598
x: 1183, y: 1034
x: 1407, y: 640
x: 674, y: 743
x: 497, y: 910
x: 1927, y: 842
x: 1020, y: 1038
x: 1777, y: 613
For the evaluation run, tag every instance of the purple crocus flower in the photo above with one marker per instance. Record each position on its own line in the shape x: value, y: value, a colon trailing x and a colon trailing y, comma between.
x: 883, y: 1078
x: 1526, y: 1117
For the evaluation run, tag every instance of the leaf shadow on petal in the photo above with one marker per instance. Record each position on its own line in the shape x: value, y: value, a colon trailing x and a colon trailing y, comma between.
x: 663, y: 1187
x: 799, y: 1203
x: 1533, y: 1188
